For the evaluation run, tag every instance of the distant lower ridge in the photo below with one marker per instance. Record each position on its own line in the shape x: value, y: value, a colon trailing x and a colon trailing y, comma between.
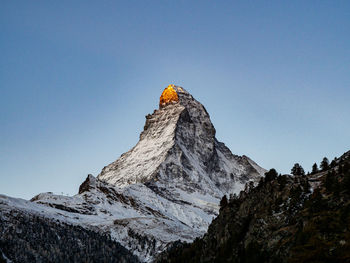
x: 30, y: 238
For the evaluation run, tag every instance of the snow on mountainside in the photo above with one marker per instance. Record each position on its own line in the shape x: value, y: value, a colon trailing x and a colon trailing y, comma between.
x: 178, y: 143
x: 166, y: 188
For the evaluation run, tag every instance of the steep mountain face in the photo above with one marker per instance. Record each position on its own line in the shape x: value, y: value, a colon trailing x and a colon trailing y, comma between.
x: 283, y: 219
x: 178, y: 146
x: 166, y: 188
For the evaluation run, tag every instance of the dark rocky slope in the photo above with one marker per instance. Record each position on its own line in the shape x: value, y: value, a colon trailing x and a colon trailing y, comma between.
x: 283, y: 219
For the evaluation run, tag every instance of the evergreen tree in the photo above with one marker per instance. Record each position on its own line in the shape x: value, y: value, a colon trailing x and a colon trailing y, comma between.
x: 314, y: 169
x: 316, y: 201
x: 297, y: 170
x: 223, y: 201
x: 324, y: 164
x: 271, y: 175
x: 333, y: 163
x: 305, y: 185
x: 282, y: 180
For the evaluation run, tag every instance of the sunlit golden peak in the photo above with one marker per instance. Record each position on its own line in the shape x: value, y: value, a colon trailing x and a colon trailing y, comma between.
x: 169, y: 95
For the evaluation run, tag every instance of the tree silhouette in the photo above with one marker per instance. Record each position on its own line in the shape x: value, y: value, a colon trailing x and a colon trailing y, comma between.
x: 324, y: 164
x: 271, y: 175
x: 297, y: 170
x: 314, y: 169
x: 329, y: 181
x: 223, y: 201
x: 333, y: 163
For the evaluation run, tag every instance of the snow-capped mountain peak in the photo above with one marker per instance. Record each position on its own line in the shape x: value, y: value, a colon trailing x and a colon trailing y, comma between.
x: 178, y: 144
x: 166, y: 188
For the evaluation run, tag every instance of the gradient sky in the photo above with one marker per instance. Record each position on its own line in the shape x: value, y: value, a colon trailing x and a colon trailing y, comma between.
x: 78, y: 77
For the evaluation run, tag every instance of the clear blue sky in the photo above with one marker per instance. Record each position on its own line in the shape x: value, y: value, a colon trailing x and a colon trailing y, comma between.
x: 78, y: 77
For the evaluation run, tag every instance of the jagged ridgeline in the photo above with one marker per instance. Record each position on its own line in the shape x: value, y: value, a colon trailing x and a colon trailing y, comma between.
x: 301, y: 218
x: 166, y: 188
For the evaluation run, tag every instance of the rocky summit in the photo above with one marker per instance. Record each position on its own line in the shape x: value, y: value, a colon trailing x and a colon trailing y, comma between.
x: 166, y: 188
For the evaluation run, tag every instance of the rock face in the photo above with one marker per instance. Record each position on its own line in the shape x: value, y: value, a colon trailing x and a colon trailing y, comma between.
x: 178, y: 146
x: 166, y: 188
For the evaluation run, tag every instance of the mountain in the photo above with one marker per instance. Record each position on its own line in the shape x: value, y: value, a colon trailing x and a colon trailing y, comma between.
x: 166, y: 188
x: 283, y: 219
